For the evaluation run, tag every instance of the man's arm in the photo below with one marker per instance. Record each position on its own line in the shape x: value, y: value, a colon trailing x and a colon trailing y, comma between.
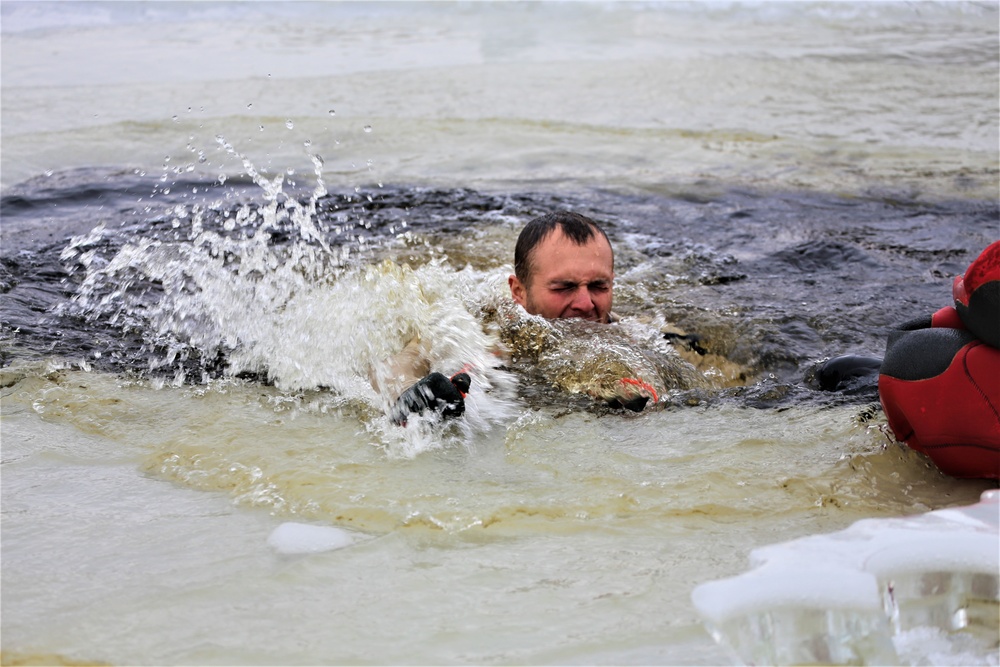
x: 407, y: 380
x: 396, y: 374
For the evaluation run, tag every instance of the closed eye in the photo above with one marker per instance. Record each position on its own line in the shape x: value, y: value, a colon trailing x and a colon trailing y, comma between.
x: 596, y: 286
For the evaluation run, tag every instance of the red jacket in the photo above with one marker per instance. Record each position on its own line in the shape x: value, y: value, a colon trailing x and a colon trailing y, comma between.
x: 939, y: 383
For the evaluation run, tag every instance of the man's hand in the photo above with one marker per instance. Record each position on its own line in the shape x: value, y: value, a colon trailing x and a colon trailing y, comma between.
x: 634, y: 395
x: 435, y: 392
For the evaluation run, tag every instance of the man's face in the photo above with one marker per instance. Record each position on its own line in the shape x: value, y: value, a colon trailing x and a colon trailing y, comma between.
x: 568, y: 280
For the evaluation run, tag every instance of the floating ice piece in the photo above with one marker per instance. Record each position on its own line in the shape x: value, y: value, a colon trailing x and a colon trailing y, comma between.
x: 793, y: 586
x: 303, y: 538
x: 785, y: 613
x: 844, y: 598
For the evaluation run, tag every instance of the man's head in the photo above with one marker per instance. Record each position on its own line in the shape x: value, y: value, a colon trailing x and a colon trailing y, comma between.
x: 563, y: 267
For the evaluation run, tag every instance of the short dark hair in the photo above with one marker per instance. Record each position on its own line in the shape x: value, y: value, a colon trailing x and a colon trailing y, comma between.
x: 578, y: 228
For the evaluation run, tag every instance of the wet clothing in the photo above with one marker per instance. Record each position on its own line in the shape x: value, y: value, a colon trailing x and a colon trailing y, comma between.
x: 939, y: 383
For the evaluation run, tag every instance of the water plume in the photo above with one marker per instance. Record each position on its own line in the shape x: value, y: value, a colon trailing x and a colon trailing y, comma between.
x: 261, y: 291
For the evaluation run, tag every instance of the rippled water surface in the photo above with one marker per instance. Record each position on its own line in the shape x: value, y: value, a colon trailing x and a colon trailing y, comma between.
x: 218, y: 218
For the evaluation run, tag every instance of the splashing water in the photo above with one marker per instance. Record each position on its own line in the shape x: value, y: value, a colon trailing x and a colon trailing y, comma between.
x: 314, y: 319
x: 264, y: 292
x: 261, y: 293
x: 201, y: 288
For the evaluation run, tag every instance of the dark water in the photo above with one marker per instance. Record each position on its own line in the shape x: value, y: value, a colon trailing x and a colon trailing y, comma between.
x: 772, y: 281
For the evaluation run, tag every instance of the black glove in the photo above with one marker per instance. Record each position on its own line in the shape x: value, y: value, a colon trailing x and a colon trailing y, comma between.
x: 435, y: 392
x: 848, y: 371
x: 632, y: 398
x: 635, y: 405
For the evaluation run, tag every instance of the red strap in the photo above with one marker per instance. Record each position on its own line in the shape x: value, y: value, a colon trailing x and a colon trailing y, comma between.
x: 947, y: 318
x: 465, y: 369
x: 642, y: 385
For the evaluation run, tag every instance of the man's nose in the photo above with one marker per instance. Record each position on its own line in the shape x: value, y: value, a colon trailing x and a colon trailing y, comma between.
x: 582, y: 300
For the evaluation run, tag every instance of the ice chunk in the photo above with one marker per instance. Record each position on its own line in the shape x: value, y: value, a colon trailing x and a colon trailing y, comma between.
x: 303, y: 538
x: 822, y: 587
x: 846, y: 598
x: 783, y: 614
x: 932, y: 550
x: 986, y: 512
x: 940, y: 580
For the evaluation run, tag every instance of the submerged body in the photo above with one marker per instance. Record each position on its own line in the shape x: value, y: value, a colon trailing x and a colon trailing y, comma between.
x: 564, y: 270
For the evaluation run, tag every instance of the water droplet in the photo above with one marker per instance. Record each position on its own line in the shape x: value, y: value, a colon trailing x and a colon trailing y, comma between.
x: 289, y: 124
x: 307, y: 143
x: 332, y: 112
x: 175, y: 118
x: 261, y: 128
x: 368, y: 128
x: 250, y: 105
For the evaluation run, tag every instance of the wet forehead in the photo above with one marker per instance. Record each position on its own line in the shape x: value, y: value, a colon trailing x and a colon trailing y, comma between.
x: 558, y: 259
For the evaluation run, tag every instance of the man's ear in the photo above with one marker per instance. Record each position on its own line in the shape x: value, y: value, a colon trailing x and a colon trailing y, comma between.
x: 517, y: 290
